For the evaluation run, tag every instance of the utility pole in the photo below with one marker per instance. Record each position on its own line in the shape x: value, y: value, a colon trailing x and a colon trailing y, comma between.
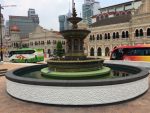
x: 1, y: 37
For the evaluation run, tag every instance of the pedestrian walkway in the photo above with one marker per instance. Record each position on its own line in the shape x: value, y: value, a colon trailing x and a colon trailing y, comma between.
x: 2, y: 72
x: 12, y: 105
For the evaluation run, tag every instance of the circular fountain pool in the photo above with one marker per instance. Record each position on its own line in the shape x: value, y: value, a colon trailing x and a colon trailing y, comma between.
x: 123, y: 83
x: 76, y: 79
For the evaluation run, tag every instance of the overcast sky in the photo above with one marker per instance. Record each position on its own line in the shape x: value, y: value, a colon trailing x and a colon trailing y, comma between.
x: 48, y: 10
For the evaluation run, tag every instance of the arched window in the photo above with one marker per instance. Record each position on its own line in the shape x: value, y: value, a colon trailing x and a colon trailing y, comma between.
x: 117, y: 35
x: 54, y: 52
x: 49, y: 51
x: 148, y: 32
x: 99, y: 52
x: 107, y: 51
x: 92, y: 52
x: 141, y: 32
x: 114, y: 35
x: 93, y: 37
x: 123, y: 34
x: 127, y: 34
x: 137, y: 33
x: 101, y: 37
x: 106, y: 36
x: 14, y: 45
x: 17, y: 45
x: 98, y: 38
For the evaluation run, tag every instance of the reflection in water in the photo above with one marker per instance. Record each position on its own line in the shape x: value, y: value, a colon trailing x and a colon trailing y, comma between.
x: 113, y: 74
x: 119, y: 73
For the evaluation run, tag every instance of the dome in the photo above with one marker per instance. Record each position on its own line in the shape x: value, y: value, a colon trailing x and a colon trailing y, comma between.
x: 14, y: 28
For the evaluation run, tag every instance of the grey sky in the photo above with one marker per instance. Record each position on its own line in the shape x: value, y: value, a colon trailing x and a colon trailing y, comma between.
x: 48, y: 10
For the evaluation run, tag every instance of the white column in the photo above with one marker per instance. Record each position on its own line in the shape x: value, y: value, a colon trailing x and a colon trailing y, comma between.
x: 103, y: 50
x: 95, y: 51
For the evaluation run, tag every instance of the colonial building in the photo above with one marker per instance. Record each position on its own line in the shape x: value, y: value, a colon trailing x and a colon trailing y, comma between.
x: 39, y: 38
x: 45, y: 39
x: 122, y: 24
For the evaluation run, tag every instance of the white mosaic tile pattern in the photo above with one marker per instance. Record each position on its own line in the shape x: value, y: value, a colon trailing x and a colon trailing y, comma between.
x: 78, y: 95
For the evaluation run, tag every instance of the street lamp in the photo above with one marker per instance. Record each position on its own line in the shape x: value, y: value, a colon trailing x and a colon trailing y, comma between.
x: 45, y: 51
x: 1, y: 54
x: 2, y: 7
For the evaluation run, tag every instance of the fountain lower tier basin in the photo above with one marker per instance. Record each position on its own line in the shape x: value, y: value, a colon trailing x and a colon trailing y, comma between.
x: 120, y: 87
x: 104, y: 71
x: 75, y: 65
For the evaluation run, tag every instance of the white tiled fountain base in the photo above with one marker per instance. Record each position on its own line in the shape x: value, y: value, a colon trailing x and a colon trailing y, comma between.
x: 90, y: 95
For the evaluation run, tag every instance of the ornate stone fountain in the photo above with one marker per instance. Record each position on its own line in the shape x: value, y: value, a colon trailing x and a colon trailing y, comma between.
x: 75, y: 65
x: 76, y: 79
x: 75, y: 38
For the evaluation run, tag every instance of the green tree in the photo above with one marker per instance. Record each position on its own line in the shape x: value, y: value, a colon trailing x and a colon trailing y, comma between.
x: 59, y: 49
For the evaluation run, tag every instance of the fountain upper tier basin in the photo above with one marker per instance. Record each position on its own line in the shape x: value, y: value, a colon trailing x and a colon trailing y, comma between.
x: 75, y: 33
x: 74, y: 20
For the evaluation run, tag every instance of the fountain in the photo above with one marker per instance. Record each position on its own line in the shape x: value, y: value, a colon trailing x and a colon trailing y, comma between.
x: 75, y: 65
x: 76, y: 79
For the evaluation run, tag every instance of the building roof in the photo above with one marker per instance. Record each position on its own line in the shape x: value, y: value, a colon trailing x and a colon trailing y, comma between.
x: 121, y: 4
x: 112, y: 13
x: 15, y: 17
x: 112, y: 20
x: 56, y: 32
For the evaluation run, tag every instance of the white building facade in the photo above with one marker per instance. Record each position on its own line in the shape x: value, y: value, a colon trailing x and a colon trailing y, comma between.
x: 46, y: 40
x: 39, y: 38
x: 122, y: 27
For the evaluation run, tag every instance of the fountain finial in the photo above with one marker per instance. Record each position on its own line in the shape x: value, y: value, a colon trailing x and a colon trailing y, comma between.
x: 74, y: 19
x: 74, y: 14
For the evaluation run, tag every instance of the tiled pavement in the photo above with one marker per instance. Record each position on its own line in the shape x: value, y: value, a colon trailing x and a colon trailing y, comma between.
x: 12, y: 105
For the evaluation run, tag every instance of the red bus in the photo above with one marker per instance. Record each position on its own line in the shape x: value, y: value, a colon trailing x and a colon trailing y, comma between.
x: 132, y: 53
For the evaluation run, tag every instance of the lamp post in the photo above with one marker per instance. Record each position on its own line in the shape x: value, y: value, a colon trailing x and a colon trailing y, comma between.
x: 45, y: 52
x: 1, y: 39
x: 1, y: 54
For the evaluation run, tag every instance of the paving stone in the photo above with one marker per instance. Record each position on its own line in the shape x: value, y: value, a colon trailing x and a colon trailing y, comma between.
x: 12, y: 105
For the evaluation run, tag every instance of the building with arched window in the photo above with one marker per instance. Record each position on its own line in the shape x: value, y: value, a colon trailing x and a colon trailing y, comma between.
x: 46, y: 40
x: 39, y: 38
x: 125, y: 24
